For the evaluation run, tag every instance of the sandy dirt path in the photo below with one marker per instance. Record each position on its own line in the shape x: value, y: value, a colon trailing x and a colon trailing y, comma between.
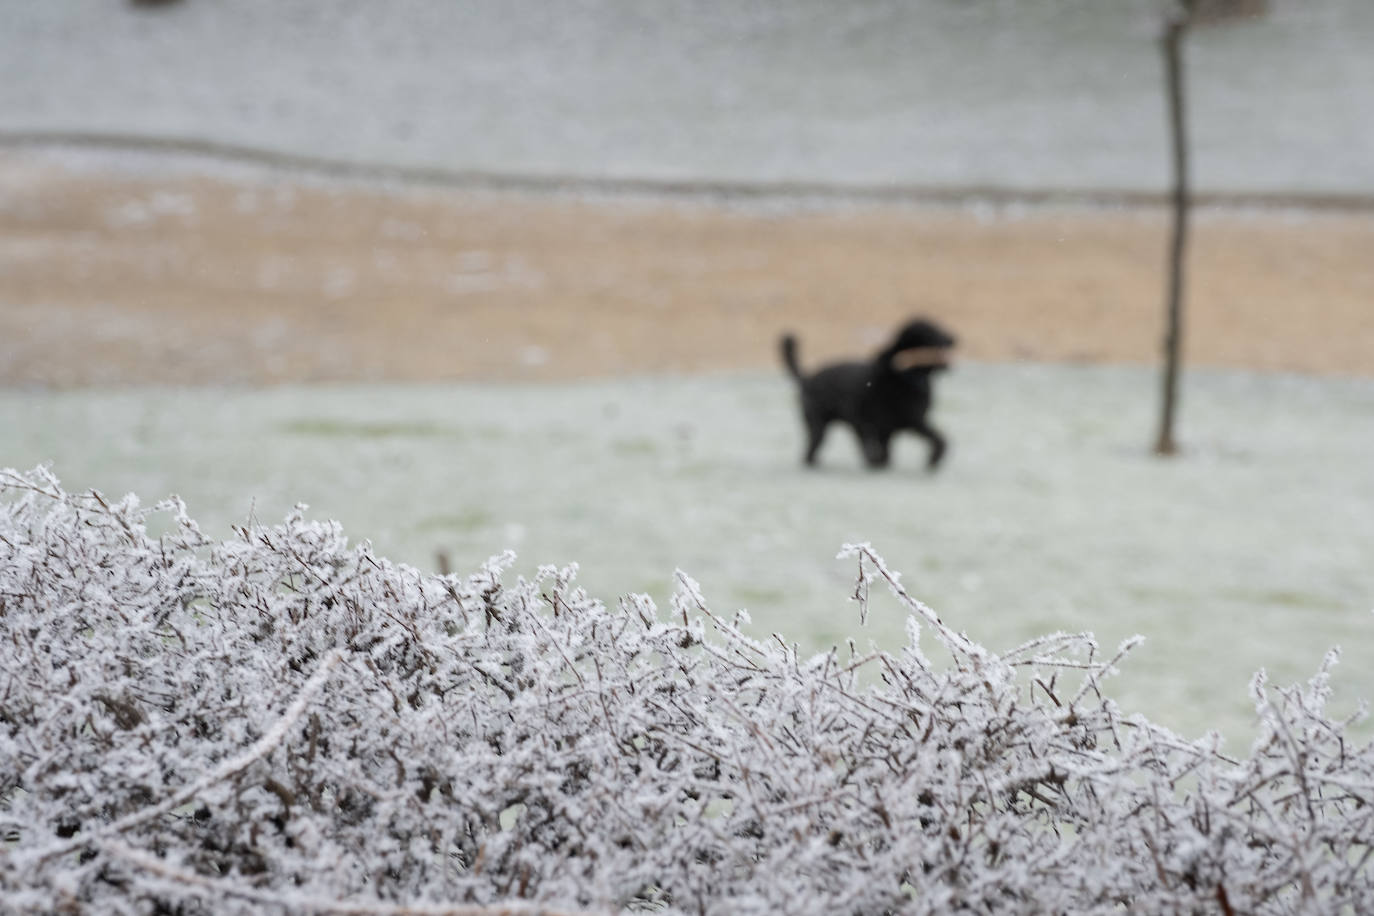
x: 119, y: 276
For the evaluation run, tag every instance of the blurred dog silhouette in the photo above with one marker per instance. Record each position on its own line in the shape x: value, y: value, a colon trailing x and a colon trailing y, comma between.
x: 879, y: 398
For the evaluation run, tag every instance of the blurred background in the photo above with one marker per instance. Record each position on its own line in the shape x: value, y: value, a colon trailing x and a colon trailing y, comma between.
x: 471, y: 276
x: 1026, y: 94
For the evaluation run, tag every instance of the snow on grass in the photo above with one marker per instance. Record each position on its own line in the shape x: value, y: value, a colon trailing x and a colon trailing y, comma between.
x: 811, y: 90
x: 1251, y: 551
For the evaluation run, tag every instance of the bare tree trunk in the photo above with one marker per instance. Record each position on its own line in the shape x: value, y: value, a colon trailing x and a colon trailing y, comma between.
x: 1172, y: 47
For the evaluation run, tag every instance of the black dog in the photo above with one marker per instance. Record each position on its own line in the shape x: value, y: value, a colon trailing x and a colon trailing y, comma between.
x: 878, y: 398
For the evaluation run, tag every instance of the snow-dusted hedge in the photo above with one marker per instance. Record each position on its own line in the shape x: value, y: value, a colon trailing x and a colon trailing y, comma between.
x: 285, y: 723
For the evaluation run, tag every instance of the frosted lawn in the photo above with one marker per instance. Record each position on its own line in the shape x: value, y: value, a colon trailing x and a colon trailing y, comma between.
x: 908, y: 93
x: 1252, y: 551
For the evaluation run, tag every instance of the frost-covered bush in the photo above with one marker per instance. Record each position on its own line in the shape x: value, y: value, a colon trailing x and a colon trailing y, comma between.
x: 285, y: 723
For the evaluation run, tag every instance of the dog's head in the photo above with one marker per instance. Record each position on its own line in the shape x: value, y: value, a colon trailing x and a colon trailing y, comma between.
x: 920, y: 343
x: 921, y: 333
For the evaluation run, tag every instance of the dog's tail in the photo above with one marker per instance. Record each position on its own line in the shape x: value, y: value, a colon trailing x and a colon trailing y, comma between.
x: 789, y: 355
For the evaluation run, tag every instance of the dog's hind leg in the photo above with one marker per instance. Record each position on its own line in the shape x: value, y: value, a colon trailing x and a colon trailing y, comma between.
x: 937, y: 443
x: 815, y: 435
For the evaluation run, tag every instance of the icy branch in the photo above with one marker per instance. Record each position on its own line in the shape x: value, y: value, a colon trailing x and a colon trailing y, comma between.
x: 282, y: 722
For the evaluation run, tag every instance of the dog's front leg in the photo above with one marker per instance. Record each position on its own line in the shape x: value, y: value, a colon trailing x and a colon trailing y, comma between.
x: 876, y: 451
x: 936, y: 441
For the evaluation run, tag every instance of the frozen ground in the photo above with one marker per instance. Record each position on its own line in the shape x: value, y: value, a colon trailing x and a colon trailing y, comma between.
x: 1010, y: 93
x: 1250, y: 551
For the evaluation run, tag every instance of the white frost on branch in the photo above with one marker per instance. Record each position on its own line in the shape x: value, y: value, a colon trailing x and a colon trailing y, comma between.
x: 283, y: 722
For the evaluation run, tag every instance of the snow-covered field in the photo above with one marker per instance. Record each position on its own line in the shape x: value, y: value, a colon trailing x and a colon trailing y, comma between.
x: 1250, y: 551
x: 1010, y: 93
